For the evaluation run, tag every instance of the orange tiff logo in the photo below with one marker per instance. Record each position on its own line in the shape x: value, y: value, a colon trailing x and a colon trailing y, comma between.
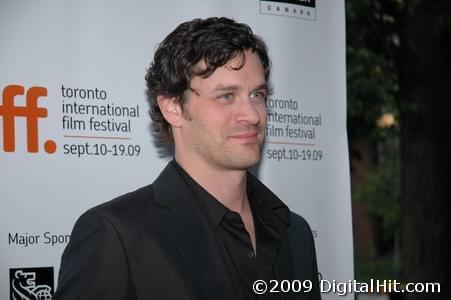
x: 31, y: 112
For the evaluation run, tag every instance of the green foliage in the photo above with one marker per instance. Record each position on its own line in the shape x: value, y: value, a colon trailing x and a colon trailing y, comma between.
x: 371, y: 91
x: 398, y: 62
x: 372, y: 45
x: 381, y: 191
x: 380, y: 268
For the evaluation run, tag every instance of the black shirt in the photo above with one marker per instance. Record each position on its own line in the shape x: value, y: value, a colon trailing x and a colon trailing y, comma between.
x: 242, y: 263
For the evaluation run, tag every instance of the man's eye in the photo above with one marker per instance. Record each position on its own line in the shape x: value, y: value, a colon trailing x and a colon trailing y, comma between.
x: 226, y: 97
x: 258, y: 95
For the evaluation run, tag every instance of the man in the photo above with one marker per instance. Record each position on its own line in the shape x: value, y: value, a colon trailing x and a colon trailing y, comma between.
x: 206, y: 228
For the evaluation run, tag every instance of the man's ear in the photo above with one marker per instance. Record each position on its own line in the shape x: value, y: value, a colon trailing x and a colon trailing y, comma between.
x: 171, y: 110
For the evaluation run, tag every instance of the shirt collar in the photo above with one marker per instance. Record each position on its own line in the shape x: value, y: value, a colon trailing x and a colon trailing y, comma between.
x: 263, y: 202
x: 209, y: 205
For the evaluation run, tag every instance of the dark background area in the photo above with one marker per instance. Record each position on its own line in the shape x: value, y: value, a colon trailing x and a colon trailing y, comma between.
x: 399, y: 87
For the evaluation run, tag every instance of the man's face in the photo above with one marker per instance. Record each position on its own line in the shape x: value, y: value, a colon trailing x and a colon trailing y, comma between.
x: 224, y: 115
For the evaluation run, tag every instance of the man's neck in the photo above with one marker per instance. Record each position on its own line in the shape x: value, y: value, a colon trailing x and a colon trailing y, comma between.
x: 227, y: 186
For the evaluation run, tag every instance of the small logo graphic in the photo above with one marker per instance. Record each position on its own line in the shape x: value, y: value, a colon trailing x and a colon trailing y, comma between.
x: 31, y: 283
x: 304, y: 9
x: 31, y: 112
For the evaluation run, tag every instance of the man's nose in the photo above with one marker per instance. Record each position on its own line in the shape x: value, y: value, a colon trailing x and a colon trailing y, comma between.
x: 249, y: 111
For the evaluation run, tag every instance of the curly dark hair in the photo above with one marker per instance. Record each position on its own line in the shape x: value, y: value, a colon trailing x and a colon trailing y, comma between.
x: 215, y: 41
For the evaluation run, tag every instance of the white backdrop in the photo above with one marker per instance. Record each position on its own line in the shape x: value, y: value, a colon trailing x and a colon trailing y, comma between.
x: 93, y: 140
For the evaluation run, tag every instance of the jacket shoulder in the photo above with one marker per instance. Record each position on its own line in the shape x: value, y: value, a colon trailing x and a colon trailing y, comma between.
x: 129, y: 203
x: 98, y: 250
x: 299, y: 224
x: 124, y: 214
x: 300, y: 233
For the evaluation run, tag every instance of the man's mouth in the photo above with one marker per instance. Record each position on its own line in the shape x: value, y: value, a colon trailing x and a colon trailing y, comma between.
x: 249, y: 136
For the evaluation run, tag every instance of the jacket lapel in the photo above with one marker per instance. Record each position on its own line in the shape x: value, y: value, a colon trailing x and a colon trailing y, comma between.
x: 279, y: 215
x: 187, y: 235
x: 284, y: 268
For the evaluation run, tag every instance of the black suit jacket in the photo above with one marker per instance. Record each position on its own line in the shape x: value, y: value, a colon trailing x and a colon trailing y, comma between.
x: 153, y: 244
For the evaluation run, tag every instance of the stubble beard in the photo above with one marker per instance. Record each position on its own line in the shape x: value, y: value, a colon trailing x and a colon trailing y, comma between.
x: 225, y: 153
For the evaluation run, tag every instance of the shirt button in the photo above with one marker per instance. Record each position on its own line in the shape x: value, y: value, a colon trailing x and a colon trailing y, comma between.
x: 250, y: 254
